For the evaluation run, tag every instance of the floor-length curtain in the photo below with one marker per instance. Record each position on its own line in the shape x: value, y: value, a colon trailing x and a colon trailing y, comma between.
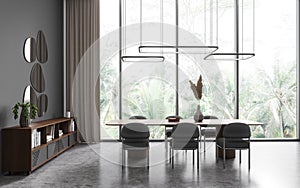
x: 82, y: 66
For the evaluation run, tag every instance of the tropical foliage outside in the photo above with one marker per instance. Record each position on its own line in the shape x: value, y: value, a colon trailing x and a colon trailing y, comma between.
x: 268, y: 84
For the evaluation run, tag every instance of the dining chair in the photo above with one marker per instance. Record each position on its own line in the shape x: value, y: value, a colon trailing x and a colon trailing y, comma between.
x: 185, y: 136
x: 234, y: 136
x: 135, y: 136
x: 137, y: 117
x: 168, y: 132
x: 207, y: 132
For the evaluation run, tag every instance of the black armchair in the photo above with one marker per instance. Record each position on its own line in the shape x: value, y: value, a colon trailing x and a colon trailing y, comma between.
x: 207, y: 131
x: 168, y: 132
x: 135, y: 136
x: 185, y: 136
x: 235, y: 136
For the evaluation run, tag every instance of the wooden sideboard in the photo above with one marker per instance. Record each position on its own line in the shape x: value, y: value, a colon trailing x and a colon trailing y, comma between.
x: 18, y: 151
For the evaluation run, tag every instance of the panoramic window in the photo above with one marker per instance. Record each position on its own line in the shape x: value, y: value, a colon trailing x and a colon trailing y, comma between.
x: 218, y: 77
x: 109, y: 68
x: 268, y: 82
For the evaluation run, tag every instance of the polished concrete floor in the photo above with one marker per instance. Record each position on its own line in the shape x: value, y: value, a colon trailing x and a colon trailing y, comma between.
x: 273, y: 164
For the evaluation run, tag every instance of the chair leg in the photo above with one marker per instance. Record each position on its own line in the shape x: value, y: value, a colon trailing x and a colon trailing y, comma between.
x: 166, y: 142
x: 249, y: 158
x: 198, y: 158
x: 224, y: 153
x: 224, y: 157
x: 193, y: 156
x: 166, y: 139
x: 200, y: 140
x: 123, y: 157
x: 217, y: 154
x: 170, y: 154
x: 204, y: 143
x: 217, y: 150
x: 240, y: 156
x: 148, y: 159
x: 172, y: 158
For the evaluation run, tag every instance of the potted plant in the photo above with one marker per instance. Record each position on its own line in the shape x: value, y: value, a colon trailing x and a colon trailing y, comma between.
x: 28, y: 110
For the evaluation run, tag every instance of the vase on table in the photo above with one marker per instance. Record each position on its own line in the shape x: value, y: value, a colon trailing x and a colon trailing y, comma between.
x: 198, y: 116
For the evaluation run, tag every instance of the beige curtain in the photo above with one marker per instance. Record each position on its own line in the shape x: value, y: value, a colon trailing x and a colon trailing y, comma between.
x: 82, y: 66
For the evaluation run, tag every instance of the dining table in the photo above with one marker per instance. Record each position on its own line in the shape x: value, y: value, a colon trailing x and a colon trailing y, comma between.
x: 217, y: 123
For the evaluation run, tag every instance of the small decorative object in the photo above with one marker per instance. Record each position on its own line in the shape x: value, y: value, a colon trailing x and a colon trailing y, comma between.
x: 174, y: 119
x: 25, y: 113
x: 198, y: 117
x: 197, y: 90
x: 68, y: 114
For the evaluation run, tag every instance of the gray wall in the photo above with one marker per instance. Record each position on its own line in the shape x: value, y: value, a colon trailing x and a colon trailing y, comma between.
x: 20, y: 19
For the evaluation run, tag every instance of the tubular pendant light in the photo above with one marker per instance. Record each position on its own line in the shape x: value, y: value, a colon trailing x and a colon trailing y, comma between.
x: 132, y: 58
x: 211, y: 19
x: 244, y: 11
x: 142, y: 58
x: 181, y: 49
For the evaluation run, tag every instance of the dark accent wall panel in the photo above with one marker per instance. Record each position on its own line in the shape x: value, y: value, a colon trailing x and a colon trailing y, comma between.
x: 20, y: 19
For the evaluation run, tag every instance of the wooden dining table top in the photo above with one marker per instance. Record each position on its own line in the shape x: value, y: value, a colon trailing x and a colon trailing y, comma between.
x: 165, y: 122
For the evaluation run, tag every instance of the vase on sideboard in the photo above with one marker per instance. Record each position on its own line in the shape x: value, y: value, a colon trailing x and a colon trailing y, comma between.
x: 24, y: 122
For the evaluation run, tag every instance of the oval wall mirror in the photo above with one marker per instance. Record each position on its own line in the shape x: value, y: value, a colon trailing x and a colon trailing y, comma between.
x: 37, y: 79
x: 26, y: 95
x: 42, y: 104
x: 30, y: 96
x: 29, y: 50
x: 33, y: 99
x: 42, y: 51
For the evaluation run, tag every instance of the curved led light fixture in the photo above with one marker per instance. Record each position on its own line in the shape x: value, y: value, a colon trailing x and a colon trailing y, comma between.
x: 210, y: 43
x: 239, y: 18
x: 142, y: 59
x: 178, y: 49
x: 229, y: 56
x: 131, y: 58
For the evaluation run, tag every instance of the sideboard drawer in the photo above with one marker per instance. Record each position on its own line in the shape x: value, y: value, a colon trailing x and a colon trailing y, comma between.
x: 38, y: 157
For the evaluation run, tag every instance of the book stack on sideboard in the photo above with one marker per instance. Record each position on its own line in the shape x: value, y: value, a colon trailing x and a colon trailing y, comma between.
x: 26, y: 149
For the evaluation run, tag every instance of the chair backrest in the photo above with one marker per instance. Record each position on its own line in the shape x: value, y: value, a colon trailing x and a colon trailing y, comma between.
x: 185, y: 130
x: 236, y: 130
x: 137, y: 117
x: 135, y: 131
x: 173, y: 116
x: 210, y: 117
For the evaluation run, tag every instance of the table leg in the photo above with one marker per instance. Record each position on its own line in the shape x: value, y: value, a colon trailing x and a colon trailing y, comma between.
x: 166, y: 139
x: 230, y: 153
x: 120, y: 128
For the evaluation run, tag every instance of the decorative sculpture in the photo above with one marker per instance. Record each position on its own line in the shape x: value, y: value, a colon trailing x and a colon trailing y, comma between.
x: 197, y: 90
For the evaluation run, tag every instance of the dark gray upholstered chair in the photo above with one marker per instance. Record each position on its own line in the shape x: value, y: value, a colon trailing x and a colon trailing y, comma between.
x: 135, y: 136
x: 168, y: 132
x: 207, y: 132
x: 185, y: 136
x: 137, y: 117
x: 235, y: 136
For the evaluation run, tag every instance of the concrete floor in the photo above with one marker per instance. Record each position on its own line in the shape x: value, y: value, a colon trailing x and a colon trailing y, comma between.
x: 273, y: 164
